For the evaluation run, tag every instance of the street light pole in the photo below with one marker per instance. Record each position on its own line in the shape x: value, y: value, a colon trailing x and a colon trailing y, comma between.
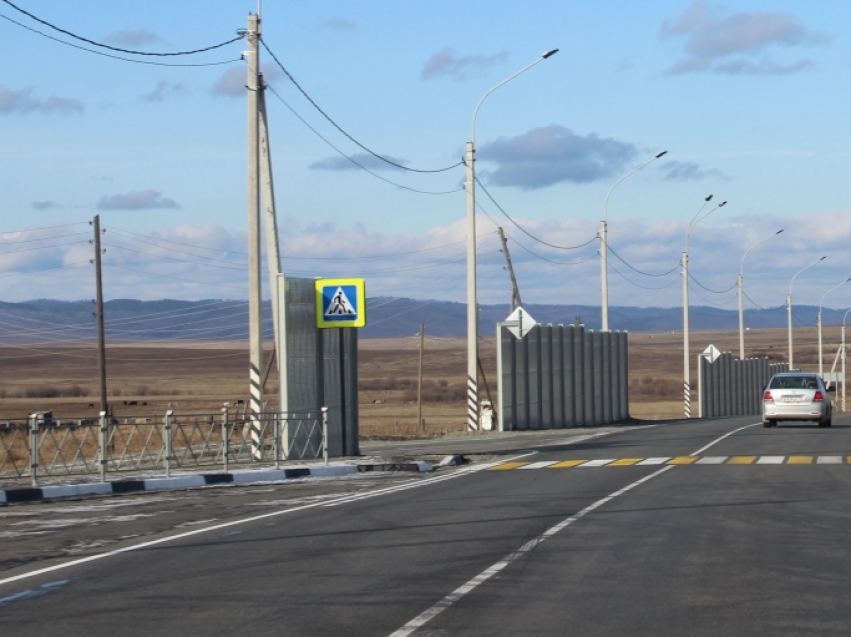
x: 686, y: 358
x: 472, y: 306
x: 789, y: 309
x: 842, y: 346
x: 604, y: 242
x: 741, y: 284
x: 820, y: 303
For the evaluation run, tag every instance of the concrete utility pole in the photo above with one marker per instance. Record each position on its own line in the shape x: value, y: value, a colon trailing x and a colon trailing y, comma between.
x: 820, y: 340
x: 740, y: 284
x: 255, y: 317
x: 604, y: 243
x: 789, y: 310
x: 420, y: 423
x: 686, y: 357
x: 472, y: 305
x: 99, y: 314
x: 515, y: 291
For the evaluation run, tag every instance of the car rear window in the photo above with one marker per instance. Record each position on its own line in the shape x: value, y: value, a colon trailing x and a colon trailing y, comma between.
x: 794, y: 382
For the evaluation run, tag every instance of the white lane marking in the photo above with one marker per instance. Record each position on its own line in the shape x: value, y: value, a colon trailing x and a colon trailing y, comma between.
x: 717, y: 440
x: 254, y: 518
x: 771, y: 459
x: 712, y: 460
x: 602, y: 462
x: 829, y: 460
x: 538, y: 465
x: 426, y: 616
x: 429, y: 614
x: 653, y: 461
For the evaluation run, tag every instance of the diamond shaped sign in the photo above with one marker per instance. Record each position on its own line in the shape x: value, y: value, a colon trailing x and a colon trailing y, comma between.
x: 519, y: 322
x: 711, y: 353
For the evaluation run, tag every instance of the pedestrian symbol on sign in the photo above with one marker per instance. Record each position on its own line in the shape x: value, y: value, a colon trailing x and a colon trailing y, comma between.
x: 340, y: 305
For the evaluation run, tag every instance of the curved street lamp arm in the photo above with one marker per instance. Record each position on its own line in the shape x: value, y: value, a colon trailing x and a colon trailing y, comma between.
x: 506, y: 81
x: 821, y: 302
x: 697, y: 220
x: 802, y: 269
x: 608, y: 194
x: 774, y: 234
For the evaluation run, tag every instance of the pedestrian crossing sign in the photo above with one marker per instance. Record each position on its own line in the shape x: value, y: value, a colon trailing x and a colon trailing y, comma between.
x: 340, y: 303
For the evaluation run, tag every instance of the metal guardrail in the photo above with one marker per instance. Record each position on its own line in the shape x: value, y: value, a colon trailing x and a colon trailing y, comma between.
x: 43, y: 447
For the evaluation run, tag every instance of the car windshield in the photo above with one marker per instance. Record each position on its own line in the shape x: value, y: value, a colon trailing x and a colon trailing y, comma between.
x: 794, y: 382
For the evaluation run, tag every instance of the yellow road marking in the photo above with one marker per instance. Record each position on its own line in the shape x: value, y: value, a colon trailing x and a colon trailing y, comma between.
x: 625, y: 462
x: 742, y: 460
x: 800, y: 460
x: 508, y: 466
x: 682, y: 460
x: 566, y: 464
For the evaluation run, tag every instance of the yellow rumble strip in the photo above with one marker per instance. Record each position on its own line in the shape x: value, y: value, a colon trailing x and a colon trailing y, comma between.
x: 625, y: 462
x: 508, y: 466
x: 742, y: 460
x: 567, y: 464
x: 682, y: 460
x: 800, y: 460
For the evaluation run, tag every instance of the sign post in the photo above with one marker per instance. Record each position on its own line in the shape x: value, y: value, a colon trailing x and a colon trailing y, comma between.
x: 341, y: 304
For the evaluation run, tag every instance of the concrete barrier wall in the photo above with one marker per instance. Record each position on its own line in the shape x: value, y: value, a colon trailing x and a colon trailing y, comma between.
x: 561, y: 376
x: 733, y: 387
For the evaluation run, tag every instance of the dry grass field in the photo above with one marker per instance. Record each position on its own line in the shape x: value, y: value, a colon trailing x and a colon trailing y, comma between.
x: 146, y: 379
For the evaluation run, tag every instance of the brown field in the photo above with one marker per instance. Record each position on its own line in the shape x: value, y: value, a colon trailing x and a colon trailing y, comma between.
x: 200, y: 377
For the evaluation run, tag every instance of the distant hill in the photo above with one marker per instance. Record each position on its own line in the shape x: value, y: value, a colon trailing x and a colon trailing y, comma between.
x: 49, y: 321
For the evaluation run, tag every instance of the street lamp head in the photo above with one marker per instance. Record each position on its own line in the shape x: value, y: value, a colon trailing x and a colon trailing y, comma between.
x: 779, y: 231
x: 722, y: 204
x: 823, y: 258
x: 664, y: 152
x: 709, y: 198
x: 549, y: 54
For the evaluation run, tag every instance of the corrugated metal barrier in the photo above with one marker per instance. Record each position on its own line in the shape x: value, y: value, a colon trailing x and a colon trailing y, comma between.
x: 733, y: 387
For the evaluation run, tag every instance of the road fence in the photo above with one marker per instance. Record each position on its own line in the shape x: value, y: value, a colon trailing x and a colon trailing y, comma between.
x: 43, y: 447
x: 561, y: 376
x: 730, y: 386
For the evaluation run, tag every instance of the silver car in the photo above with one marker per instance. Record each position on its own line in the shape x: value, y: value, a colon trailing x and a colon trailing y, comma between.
x: 796, y: 396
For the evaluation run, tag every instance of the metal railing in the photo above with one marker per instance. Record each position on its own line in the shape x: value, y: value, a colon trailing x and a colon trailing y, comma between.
x: 43, y: 447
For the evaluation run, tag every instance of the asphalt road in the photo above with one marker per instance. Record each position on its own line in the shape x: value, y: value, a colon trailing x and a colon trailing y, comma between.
x: 744, y: 534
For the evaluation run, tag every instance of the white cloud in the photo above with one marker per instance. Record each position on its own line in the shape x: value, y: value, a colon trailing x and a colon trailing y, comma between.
x: 133, y: 37
x: 553, y: 154
x: 23, y: 102
x: 737, y: 43
x: 364, y: 159
x: 143, y: 200
x: 163, y: 90
x: 460, y: 67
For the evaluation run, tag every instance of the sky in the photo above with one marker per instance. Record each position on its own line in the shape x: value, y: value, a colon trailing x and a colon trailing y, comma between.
x: 749, y: 99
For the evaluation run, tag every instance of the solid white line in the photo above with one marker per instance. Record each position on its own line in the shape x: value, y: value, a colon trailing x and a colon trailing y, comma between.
x: 716, y: 441
x: 538, y: 465
x: 653, y: 461
x: 829, y: 460
x: 712, y: 460
x: 254, y: 518
x: 601, y: 462
x: 429, y: 614
x: 426, y: 616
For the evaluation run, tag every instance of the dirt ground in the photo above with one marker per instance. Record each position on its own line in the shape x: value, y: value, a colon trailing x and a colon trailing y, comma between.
x: 148, y: 378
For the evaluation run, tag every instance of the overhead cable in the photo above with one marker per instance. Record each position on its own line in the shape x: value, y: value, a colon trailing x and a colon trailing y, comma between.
x: 115, y: 48
x: 351, y: 159
x: 339, y: 128
x: 527, y: 233
x: 709, y: 290
x: 638, y: 285
x: 634, y: 269
x: 116, y: 57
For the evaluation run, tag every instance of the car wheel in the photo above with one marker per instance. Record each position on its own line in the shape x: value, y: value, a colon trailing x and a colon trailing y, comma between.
x: 826, y: 423
x: 769, y: 423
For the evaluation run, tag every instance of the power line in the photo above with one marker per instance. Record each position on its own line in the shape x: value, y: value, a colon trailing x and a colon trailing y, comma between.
x: 709, y: 290
x: 115, y: 48
x: 526, y: 232
x: 114, y: 57
x: 638, y: 285
x: 354, y: 161
x: 339, y: 128
x: 640, y: 271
